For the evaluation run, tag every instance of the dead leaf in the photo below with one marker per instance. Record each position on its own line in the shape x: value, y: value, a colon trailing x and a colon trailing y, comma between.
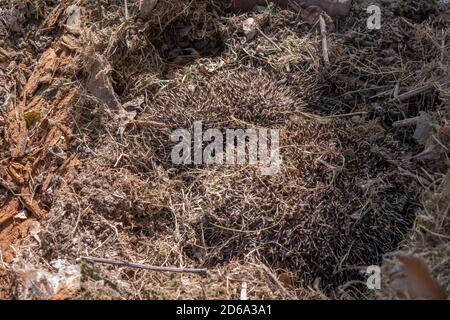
x: 99, y: 82
x: 35, y: 229
x: 100, y: 86
x: 124, y: 118
x: 418, y: 282
x: 134, y: 103
x: 35, y: 283
x: 14, y: 18
x: 426, y: 134
x: 286, y: 280
x: 311, y: 14
x: 147, y: 7
x: 31, y: 204
x: 423, y: 128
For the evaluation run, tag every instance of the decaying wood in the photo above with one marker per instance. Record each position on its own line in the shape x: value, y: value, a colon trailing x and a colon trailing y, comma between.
x: 43, y: 72
x: 16, y: 130
x: 5, y: 55
x: 54, y: 17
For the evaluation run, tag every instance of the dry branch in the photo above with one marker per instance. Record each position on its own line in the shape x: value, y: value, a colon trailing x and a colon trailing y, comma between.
x: 125, y: 263
x: 406, y: 122
x: 417, y: 91
x: 323, y: 32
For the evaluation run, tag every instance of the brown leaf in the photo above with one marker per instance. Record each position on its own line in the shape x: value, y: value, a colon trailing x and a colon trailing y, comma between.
x: 285, y: 279
x: 99, y: 82
x: 424, y: 134
x: 135, y: 103
x: 419, y: 283
x: 99, y: 85
x: 311, y: 14
x: 147, y: 7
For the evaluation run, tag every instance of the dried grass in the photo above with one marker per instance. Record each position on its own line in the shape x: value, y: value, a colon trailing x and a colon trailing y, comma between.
x: 338, y: 204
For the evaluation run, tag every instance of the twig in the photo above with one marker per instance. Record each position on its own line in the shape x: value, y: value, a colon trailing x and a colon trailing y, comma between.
x: 268, y: 39
x: 359, y: 113
x: 317, y: 117
x: 421, y: 180
x: 125, y: 263
x: 126, y: 9
x: 149, y: 123
x: 406, y: 122
x: 363, y: 90
x: 323, y: 32
x: 24, y: 198
x: 414, y: 92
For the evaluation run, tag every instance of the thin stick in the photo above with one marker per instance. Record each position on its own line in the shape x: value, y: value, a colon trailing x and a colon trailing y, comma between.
x: 125, y: 263
x: 359, y: 113
x: 363, y: 90
x: 268, y: 39
x: 149, y: 123
x: 414, y: 92
x: 323, y: 32
x: 313, y: 116
x: 126, y: 9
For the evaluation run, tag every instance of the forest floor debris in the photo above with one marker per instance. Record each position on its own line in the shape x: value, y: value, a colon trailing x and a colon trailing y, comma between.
x: 90, y: 94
